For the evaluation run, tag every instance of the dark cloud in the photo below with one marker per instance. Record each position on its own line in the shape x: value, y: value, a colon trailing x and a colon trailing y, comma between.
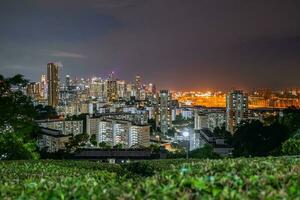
x: 176, y: 43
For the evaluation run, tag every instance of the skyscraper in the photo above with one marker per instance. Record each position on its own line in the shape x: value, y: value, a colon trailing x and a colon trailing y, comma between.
x: 165, y: 111
x: 53, y: 84
x: 112, y: 90
x: 68, y: 81
x: 236, y: 109
x: 43, y: 89
x: 137, y: 86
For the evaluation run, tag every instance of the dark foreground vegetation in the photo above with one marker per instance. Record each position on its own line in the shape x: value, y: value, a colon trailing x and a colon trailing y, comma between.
x: 242, y: 178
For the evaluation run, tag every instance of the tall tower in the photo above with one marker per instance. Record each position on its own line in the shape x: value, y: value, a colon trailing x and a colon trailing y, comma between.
x: 53, y: 84
x: 68, y: 81
x: 112, y: 89
x: 236, y: 109
x: 43, y: 88
x: 165, y: 111
x: 138, y: 86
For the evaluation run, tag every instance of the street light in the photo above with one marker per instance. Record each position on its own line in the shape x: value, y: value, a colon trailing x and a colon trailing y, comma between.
x: 186, y: 134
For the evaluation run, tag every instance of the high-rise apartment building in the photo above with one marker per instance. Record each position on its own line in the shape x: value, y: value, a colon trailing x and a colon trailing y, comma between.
x: 33, y: 90
x: 139, y: 135
x: 123, y: 132
x: 165, y: 111
x: 53, y: 84
x: 236, y: 109
x: 200, y: 120
x: 44, y: 87
x: 112, y: 88
x: 121, y: 89
x: 210, y: 119
x: 68, y: 81
x: 138, y: 86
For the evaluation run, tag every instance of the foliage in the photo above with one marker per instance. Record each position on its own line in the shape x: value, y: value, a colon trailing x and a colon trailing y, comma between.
x: 118, y: 146
x: 204, y: 152
x: 179, y: 120
x: 152, y: 124
x: 255, y: 178
x: 104, y: 145
x: 291, y: 119
x: 77, y: 141
x: 45, y: 112
x: 256, y: 139
x: 171, y: 132
x: 221, y: 132
x: 17, y: 128
x: 291, y: 147
x: 93, y: 140
x: 155, y: 148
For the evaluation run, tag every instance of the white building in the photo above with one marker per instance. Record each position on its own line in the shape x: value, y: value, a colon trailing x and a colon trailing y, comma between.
x: 187, y: 113
x: 52, y: 140
x: 201, y: 120
x: 123, y: 132
x: 67, y: 127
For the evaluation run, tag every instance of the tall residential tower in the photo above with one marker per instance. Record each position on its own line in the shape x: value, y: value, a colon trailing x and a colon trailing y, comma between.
x: 236, y: 109
x: 53, y: 84
x: 165, y: 111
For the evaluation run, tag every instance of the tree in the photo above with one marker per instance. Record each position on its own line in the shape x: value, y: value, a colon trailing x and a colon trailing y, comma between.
x: 291, y: 119
x: 291, y: 147
x: 45, y: 112
x: 93, y: 140
x: 118, y: 146
x: 17, y: 127
x: 255, y: 139
x: 152, y: 124
x: 205, y: 152
x: 104, y: 145
x: 221, y: 132
x: 77, y: 141
x: 171, y: 132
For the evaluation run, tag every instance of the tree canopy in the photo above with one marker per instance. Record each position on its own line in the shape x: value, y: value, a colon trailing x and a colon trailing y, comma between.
x: 17, y: 127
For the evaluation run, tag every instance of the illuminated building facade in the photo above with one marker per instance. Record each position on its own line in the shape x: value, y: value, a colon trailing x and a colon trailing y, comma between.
x: 53, y: 84
x: 236, y: 109
x: 165, y: 111
x: 123, y: 132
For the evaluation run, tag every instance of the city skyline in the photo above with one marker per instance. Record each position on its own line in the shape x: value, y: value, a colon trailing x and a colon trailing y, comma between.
x: 178, y: 45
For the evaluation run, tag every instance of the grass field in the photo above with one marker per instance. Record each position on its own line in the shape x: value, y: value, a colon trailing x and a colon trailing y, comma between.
x: 255, y: 178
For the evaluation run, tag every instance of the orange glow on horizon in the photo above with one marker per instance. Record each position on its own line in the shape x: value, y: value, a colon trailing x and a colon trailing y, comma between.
x: 209, y: 99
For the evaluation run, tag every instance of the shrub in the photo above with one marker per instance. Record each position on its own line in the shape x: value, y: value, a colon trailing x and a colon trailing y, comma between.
x: 291, y: 147
x: 252, y: 178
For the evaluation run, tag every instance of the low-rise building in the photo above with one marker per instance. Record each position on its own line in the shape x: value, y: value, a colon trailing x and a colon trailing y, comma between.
x: 67, y: 127
x: 204, y: 136
x: 51, y: 140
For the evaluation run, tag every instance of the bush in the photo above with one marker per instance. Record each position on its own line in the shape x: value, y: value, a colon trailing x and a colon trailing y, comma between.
x: 255, y: 178
x: 291, y: 147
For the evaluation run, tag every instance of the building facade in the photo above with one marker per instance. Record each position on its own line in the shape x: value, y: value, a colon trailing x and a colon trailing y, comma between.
x: 68, y: 127
x: 165, y: 111
x: 236, y: 109
x: 114, y: 132
x: 53, y: 84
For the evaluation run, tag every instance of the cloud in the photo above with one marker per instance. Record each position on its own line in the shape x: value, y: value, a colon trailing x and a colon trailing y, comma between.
x: 65, y: 54
x: 106, y: 4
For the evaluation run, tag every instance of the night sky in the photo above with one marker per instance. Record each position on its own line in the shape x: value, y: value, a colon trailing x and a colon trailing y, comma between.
x: 177, y: 44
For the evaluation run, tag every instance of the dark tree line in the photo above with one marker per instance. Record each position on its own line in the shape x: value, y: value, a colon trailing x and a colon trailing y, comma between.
x: 17, y: 127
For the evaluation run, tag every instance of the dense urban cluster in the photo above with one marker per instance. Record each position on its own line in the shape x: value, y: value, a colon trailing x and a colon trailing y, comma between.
x: 103, y: 113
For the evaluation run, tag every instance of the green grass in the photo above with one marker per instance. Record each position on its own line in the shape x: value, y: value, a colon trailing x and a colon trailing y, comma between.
x: 255, y: 178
